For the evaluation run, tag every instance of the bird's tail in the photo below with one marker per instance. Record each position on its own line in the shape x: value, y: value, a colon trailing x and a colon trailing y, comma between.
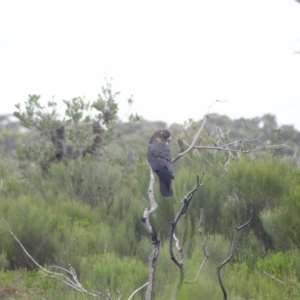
x: 165, y: 188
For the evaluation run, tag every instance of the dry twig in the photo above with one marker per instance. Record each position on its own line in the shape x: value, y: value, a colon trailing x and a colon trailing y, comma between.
x: 226, y: 147
x: 70, y: 279
x: 206, y: 256
x: 179, y: 261
x: 273, y: 277
x: 232, y: 247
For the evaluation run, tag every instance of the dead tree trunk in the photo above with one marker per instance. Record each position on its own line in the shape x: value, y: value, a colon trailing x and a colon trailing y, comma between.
x: 153, y: 236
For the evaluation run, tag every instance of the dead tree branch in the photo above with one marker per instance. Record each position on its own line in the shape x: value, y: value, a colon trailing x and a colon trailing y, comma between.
x: 225, y: 147
x: 179, y: 261
x: 70, y: 279
x: 228, y: 146
x: 154, y: 239
x: 206, y: 256
x: 273, y: 277
x: 232, y: 247
x: 141, y: 287
x: 192, y: 145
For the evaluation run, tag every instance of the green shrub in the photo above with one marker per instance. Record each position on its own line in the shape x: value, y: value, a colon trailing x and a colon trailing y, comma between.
x: 109, y: 271
x: 4, y: 263
x: 279, y: 264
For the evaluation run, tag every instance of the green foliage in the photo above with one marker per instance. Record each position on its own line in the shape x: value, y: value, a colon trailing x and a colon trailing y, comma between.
x: 19, y: 285
x: 283, y: 221
x: 34, y: 224
x: 84, y: 128
x: 108, y: 271
x: 289, y: 221
x: 259, y: 182
x: 85, y: 181
x: 280, y: 265
x: 4, y: 263
x: 87, y: 210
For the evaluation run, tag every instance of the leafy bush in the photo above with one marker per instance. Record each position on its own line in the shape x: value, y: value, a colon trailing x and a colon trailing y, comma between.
x: 85, y: 208
x: 278, y: 264
x: 85, y: 128
x: 109, y: 271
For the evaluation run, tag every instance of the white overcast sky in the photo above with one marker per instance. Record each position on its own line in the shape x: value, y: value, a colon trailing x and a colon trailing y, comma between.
x: 175, y: 57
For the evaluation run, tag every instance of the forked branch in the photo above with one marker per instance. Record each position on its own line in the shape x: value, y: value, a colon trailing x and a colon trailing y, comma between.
x: 67, y: 276
x: 232, y: 247
x: 227, y: 147
x: 179, y: 261
x: 70, y: 279
x: 192, y: 145
x: 206, y: 256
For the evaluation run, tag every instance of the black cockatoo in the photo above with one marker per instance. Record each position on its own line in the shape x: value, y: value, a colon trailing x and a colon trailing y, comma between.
x: 159, y: 158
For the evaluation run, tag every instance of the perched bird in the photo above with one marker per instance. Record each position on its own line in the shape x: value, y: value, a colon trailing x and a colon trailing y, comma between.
x: 159, y: 158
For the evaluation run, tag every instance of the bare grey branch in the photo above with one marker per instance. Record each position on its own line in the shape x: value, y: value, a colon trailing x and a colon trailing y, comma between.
x: 70, y: 280
x: 232, y: 247
x: 154, y: 239
x: 141, y: 287
x: 179, y: 261
x: 273, y: 277
x: 206, y: 256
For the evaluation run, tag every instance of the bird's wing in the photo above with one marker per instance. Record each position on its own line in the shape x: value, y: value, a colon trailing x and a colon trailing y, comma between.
x: 159, y: 159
